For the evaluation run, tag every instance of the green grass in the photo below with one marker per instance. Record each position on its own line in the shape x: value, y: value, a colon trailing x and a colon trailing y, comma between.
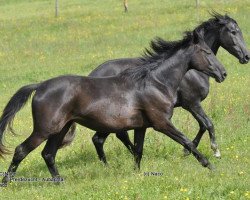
x: 35, y: 46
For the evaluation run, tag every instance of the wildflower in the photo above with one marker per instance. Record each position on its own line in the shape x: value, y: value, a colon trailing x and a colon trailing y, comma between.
x: 183, y: 189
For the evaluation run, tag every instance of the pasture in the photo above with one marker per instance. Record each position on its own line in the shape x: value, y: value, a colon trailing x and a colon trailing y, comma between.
x: 35, y: 46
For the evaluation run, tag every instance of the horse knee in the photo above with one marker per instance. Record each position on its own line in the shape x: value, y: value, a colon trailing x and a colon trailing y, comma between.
x: 210, y: 126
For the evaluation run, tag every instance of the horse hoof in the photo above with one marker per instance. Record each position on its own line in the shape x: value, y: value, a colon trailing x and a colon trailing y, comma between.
x: 5, y: 180
x: 57, y: 183
x: 217, y: 154
x: 186, y: 152
x: 57, y: 180
x: 105, y: 164
x: 137, y: 168
x: 211, y: 167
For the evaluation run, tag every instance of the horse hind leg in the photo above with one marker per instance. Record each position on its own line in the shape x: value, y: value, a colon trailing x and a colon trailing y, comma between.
x: 69, y: 136
x: 98, y: 140
x: 21, y: 151
x: 49, y: 152
x: 139, y: 136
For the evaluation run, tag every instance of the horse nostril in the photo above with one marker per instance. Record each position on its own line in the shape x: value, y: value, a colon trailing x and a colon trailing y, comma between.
x: 247, y: 57
x: 225, y: 74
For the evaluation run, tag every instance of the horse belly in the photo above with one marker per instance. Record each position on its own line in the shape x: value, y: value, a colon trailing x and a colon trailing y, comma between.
x: 113, y: 118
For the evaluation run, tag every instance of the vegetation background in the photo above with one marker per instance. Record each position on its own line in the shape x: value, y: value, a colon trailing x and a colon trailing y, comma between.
x: 35, y: 46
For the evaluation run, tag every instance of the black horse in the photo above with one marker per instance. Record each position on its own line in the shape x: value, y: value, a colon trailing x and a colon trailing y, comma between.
x: 138, y: 98
x: 217, y: 31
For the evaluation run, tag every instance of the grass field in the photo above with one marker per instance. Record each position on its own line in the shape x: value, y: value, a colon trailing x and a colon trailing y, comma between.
x: 35, y: 46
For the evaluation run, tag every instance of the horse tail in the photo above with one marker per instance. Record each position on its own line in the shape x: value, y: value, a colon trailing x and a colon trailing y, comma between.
x: 16, y: 102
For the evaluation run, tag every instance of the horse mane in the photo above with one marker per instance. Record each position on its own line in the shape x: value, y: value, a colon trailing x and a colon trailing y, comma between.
x: 215, y: 22
x: 159, y: 51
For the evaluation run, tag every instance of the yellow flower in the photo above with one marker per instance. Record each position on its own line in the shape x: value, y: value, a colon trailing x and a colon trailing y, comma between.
x: 183, y: 189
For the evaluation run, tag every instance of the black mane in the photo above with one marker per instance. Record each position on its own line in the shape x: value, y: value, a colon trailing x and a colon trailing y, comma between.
x: 215, y: 22
x: 159, y: 51
x: 160, y: 48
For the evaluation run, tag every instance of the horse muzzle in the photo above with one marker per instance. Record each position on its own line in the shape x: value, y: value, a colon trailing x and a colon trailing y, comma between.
x: 245, y: 59
x: 219, y: 76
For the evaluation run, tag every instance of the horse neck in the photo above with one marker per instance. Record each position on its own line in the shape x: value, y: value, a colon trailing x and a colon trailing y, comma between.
x: 172, y: 70
x: 211, y: 37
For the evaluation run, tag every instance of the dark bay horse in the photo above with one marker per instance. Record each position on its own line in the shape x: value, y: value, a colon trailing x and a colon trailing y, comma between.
x: 217, y: 31
x: 137, y: 98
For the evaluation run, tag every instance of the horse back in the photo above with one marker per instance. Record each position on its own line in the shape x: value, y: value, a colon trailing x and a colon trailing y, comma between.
x: 114, y: 67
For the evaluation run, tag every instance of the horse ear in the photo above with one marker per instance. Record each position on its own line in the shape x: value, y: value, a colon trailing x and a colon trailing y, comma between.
x: 223, y: 20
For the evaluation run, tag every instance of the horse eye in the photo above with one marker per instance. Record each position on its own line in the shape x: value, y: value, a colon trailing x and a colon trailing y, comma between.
x: 207, y: 51
x: 233, y: 32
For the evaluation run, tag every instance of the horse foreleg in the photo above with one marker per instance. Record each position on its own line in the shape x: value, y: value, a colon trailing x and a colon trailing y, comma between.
x: 205, y: 124
x: 124, y: 138
x: 139, y: 136
x: 197, y: 139
x: 168, y: 129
